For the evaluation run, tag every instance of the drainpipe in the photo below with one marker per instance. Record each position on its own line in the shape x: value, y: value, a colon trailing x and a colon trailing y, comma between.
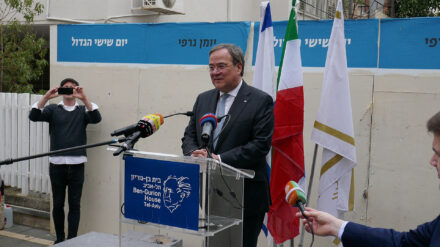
x: 229, y: 10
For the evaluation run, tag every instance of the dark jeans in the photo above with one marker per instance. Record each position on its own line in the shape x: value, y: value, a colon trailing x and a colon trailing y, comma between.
x: 72, y: 177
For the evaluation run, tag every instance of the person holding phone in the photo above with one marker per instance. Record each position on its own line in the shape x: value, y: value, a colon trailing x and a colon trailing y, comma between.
x: 67, y: 128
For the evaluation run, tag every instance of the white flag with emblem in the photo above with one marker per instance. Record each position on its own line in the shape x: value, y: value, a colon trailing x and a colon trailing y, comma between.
x: 333, y: 128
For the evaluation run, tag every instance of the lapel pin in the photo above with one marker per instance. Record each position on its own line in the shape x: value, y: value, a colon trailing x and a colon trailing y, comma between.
x: 244, y: 101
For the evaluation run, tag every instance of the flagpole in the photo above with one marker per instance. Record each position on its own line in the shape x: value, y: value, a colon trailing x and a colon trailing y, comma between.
x: 309, y: 189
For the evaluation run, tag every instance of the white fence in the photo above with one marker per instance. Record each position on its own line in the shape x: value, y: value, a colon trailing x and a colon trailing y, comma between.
x: 20, y: 137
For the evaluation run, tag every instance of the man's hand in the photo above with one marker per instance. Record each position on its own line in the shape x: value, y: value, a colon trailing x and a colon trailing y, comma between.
x: 78, y: 92
x: 215, y: 156
x: 200, y: 153
x: 52, y: 93
x: 323, y: 224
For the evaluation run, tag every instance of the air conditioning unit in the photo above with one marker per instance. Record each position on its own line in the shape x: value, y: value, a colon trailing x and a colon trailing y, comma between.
x: 168, y: 7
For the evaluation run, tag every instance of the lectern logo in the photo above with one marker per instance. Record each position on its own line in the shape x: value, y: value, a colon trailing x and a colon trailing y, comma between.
x: 175, y: 190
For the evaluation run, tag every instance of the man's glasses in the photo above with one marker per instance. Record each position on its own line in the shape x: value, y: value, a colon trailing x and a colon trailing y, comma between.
x: 219, y: 67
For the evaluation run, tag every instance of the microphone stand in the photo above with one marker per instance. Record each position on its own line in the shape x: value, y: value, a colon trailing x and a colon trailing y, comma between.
x: 205, y: 145
x: 309, y: 191
x: 129, y: 142
x: 10, y: 161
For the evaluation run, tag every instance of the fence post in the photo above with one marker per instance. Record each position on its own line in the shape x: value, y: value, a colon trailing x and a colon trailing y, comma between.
x: 23, y: 145
x: 18, y: 138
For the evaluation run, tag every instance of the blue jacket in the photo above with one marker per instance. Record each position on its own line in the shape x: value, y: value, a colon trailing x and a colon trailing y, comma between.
x: 427, y: 234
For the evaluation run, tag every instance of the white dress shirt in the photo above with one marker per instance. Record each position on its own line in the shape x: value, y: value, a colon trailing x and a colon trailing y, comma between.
x: 341, y: 230
x: 232, y: 94
x: 229, y: 101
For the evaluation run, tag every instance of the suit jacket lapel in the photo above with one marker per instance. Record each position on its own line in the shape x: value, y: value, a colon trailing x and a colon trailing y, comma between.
x: 211, y: 105
x: 237, y: 107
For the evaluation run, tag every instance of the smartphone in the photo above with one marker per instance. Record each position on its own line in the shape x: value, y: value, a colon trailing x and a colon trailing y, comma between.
x: 65, y: 90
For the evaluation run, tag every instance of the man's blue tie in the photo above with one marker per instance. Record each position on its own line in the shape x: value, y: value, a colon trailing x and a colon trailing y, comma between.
x: 220, y: 113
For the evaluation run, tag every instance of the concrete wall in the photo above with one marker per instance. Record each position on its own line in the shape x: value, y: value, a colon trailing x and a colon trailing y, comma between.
x: 395, y: 185
x: 99, y: 11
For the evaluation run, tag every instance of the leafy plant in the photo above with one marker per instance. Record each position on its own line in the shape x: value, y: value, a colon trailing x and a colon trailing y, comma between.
x: 416, y: 8
x: 22, y: 54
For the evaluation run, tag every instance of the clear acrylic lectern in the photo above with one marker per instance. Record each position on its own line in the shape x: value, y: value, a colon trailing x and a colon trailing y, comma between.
x: 183, y: 194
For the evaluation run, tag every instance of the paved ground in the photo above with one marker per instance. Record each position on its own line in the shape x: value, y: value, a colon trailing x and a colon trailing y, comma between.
x: 25, y: 236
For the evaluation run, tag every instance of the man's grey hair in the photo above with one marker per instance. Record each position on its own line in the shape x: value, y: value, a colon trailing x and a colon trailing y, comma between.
x: 433, y: 124
x: 234, y: 51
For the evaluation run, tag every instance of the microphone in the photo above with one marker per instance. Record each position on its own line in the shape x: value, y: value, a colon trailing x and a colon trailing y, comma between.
x: 208, y: 123
x: 295, y: 196
x: 126, y: 131
x: 129, y: 130
x: 149, y: 124
x: 145, y: 127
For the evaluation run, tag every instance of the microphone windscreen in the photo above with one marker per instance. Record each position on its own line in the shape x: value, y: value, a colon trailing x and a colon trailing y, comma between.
x: 156, y: 119
x: 294, y: 193
x: 208, y: 117
x: 161, y: 118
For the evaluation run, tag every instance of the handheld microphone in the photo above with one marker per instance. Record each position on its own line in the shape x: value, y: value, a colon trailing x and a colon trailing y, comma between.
x: 208, y: 123
x: 295, y: 196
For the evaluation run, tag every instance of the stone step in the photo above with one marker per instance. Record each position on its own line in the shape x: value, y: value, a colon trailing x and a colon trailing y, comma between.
x: 30, y: 210
x: 35, y: 200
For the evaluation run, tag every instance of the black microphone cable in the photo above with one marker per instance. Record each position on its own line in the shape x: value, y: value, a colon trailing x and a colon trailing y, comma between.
x: 311, y: 229
x: 300, y: 206
x: 228, y: 117
x: 188, y: 114
x: 232, y: 193
x: 313, y: 233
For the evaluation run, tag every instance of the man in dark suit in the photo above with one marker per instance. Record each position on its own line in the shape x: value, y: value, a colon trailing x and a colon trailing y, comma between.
x: 242, y: 142
x: 353, y: 234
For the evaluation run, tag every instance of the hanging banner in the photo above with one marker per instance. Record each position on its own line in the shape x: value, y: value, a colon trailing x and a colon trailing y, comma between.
x: 412, y: 43
x: 170, y: 43
x: 190, y: 43
x: 162, y: 192
x: 360, y: 36
x: 102, y: 43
